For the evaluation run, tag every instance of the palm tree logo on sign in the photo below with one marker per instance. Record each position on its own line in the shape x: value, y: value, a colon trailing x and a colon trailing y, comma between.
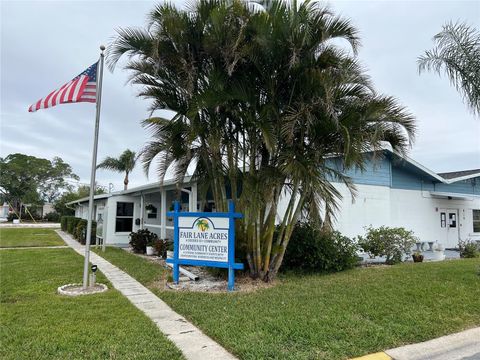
x: 202, y: 225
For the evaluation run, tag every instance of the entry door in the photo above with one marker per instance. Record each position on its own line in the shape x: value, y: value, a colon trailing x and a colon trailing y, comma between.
x: 449, y: 224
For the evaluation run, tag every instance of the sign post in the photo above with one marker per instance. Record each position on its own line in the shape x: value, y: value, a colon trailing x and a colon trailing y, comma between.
x: 205, y: 239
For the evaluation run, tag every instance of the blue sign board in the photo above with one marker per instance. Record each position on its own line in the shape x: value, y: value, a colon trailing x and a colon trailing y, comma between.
x: 205, y: 239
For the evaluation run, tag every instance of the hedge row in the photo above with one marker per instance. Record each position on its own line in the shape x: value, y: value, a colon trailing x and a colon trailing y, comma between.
x: 77, y: 227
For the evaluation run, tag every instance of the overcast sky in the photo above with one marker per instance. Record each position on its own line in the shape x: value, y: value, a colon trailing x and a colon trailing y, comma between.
x: 44, y: 44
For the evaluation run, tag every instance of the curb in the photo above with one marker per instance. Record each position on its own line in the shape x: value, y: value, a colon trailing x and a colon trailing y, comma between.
x: 375, y: 356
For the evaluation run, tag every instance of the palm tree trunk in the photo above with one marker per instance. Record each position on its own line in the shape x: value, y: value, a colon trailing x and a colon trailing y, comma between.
x: 275, y: 265
x: 125, y: 181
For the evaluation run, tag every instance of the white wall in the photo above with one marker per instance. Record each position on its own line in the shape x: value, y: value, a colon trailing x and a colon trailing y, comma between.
x: 47, y: 208
x: 412, y: 209
x: 371, y: 206
x: 120, y: 238
x: 421, y: 213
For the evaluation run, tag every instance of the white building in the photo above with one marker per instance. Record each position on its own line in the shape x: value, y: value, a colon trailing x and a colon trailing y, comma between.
x: 392, y: 190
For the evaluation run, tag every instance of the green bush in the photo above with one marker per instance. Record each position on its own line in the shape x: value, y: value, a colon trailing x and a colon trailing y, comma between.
x: 312, y: 249
x: 80, y: 232
x: 64, y: 221
x: 52, y: 217
x: 72, y: 222
x: 468, y: 249
x: 140, y: 239
x: 389, y: 242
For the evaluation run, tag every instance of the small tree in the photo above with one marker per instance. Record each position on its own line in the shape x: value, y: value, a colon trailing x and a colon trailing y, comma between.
x: 28, y: 179
x: 124, y: 163
x: 392, y: 243
x: 82, y: 191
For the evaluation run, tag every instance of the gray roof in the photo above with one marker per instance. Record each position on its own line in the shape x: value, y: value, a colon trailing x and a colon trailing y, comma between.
x: 457, y: 174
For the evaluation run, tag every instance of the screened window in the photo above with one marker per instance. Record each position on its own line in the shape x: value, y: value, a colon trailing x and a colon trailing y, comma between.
x: 124, y: 219
x: 476, y: 221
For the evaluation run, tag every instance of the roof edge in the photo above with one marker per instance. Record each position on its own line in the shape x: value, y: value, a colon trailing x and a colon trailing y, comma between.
x: 160, y: 184
x: 461, y: 178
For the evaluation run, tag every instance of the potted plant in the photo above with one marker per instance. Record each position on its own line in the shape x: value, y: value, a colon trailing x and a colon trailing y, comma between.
x: 149, y: 208
x: 140, y: 239
x: 161, y: 248
x: 417, y: 257
x: 150, y: 249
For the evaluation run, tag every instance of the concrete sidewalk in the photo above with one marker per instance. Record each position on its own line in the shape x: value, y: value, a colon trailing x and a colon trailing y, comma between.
x: 189, y: 339
x: 460, y: 346
x: 31, y: 225
x: 464, y: 345
x: 34, y: 247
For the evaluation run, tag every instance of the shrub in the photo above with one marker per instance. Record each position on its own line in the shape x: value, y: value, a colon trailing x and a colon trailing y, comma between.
x: 161, y: 247
x: 468, y: 249
x: 64, y: 221
x: 312, y: 249
x: 389, y: 242
x: 31, y: 213
x: 52, y: 217
x: 80, y: 232
x: 139, y: 240
x: 72, y: 222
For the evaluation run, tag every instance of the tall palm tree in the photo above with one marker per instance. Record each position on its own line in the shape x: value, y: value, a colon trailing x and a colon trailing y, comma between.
x: 124, y: 163
x: 262, y: 99
x: 457, y: 54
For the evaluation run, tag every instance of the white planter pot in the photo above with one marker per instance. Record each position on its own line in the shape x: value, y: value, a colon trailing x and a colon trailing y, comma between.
x: 169, y: 254
x: 150, y: 250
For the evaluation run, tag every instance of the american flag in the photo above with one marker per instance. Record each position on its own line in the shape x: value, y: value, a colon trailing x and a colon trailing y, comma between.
x: 82, y: 88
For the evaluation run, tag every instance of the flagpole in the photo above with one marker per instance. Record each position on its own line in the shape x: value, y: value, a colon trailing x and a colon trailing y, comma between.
x: 93, y: 171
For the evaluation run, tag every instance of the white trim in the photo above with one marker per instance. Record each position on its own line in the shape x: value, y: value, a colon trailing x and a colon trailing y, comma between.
x: 156, y: 226
x: 466, y: 177
x: 85, y: 199
x: 456, y: 196
x: 163, y: 213
x: 146, y: 189
x: 420, y: 166
x: 154, y: 186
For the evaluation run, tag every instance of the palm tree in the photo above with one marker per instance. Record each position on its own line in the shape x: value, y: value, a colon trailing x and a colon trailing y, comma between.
x: 262, y: 99
x: 457, y: 54
x: 124, y: 163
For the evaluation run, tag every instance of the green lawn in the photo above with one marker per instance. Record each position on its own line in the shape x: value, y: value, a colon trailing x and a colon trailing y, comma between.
x: 37, y: 323
x: 20, y: 237
x: 329, y: 316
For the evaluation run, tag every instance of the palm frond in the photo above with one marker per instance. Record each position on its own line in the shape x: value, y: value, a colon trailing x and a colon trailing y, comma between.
x: 457, y: 55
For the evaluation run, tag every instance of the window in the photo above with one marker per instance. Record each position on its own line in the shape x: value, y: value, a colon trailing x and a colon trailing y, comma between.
x: 452, y: 220
x: 124, y: 219
x: 476, y: 221
x: 443, y: 221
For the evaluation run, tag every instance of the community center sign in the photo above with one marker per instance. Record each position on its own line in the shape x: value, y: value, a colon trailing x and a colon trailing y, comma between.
x: 205, y: 239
